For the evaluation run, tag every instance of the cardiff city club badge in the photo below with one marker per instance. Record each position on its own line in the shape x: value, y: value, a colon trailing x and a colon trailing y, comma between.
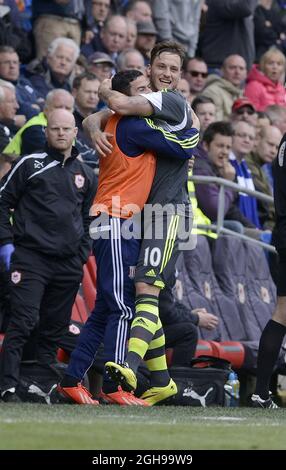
x: 79, y: 181
x: 16, y: 277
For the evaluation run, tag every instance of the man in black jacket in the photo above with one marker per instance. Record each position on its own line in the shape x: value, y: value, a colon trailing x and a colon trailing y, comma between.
x: 228, y: 30
x: 51, y: 193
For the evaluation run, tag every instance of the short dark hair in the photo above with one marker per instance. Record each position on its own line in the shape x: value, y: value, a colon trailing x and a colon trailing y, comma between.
x: 85, y: 75
x: 130, y: 5
x: 262, y: 114
x: 189, y: 59
x: 201, y: 100
x: 121, y: 80
x: 172, y: 47
x: 7, y: 50
x: 219, y: 127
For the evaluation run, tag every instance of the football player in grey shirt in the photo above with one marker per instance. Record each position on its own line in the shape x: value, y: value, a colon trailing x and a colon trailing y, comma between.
x: 166, y: 215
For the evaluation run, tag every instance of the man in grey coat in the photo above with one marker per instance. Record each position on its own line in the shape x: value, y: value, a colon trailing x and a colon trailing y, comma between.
x: 179, y: 21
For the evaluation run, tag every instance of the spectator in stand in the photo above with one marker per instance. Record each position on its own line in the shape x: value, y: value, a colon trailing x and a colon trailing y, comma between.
x: 53, y: 19
x: 242, y: 145
x: 217, y: 143
x: 264, y: 85
x: 27, y: 97
x: 48, y: 256
x: 8, y: 109
x: 11, y: 32
x: 85, y: 92
x: 269, y: 28
x: 263, y: 120
x: 101, y: 65
x: 277, y: 116
x: 130, y: 59
x: 265, y: 153
x: 131, y: 33
x: 80, y: 66
x: 205, y: 109
x: 270, y: 138
x: 226, y: 89
x: 57, y: 70
x: 111, y: 39
x: 11, y: 8
x: 179, y: 21
x: 196, y: 72
x: 184, y: 88
x: 228, y: 30
x: 31, y: 137
x: 206, y: 112
x: 243, y: 110
x: 280, y: 7
x: 199, y: 217
x: 146, y: 39
x: 25, y: 14
x: 138, y: 10
x: 97, y: 12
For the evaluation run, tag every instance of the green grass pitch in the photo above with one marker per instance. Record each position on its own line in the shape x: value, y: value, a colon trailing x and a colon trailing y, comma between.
x: 32, y: 426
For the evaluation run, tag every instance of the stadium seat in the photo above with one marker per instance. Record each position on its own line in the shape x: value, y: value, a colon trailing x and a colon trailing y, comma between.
x: 204, y: 348
x: 169, y: 356
x: 232, y: 351
x: 243, y: 274
x: 199, y: 286
x: 218, y: 292
x: 79, y: 312
x: 63, y: 356
x: 260, y: 286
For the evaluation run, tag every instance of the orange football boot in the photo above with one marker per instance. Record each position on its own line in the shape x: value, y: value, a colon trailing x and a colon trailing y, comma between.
x: 123, y: 398
x: 78, y: 394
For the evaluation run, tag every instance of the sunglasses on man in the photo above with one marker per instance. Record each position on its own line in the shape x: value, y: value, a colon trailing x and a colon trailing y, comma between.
x: 244, y: 110
x: 195, y: 73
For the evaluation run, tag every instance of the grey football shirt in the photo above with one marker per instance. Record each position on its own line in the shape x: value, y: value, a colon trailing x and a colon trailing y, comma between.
x: 171, y: 114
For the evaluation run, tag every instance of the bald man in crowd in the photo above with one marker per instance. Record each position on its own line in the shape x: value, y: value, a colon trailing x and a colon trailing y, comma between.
x: 31, y: 137
x: 46, y: 246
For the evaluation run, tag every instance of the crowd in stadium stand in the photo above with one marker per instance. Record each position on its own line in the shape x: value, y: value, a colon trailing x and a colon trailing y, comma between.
x: 56, y: 53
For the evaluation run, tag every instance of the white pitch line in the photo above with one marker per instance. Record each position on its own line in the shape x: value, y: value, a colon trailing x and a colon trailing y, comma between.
x: 219, y: 418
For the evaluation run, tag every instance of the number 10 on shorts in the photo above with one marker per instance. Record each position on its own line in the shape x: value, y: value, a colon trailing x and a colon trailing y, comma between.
x: 152, y: 257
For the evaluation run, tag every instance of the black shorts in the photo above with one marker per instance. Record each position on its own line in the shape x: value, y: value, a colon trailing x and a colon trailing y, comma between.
x: 163, y: 239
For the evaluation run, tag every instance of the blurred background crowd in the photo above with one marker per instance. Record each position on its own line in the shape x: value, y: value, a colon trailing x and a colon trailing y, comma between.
x: 55, y: 53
